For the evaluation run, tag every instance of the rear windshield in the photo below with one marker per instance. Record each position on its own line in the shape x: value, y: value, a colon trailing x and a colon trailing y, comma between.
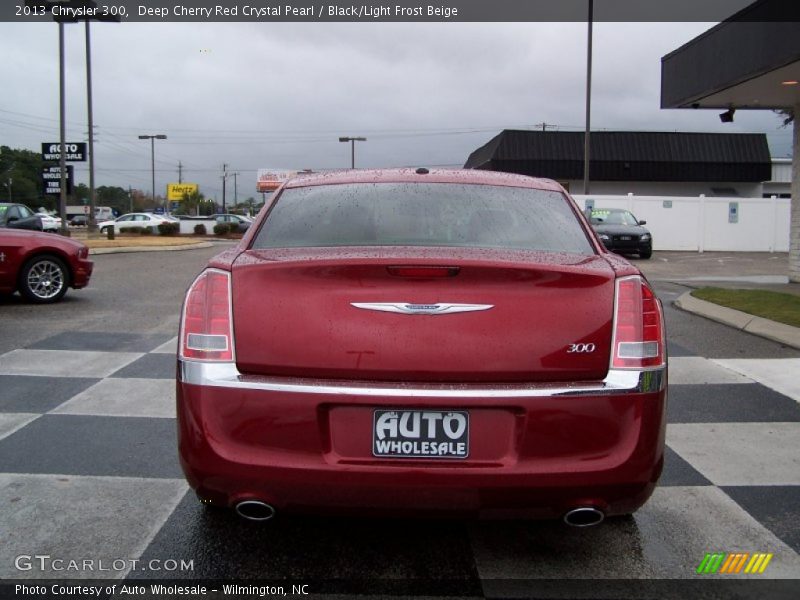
x: 423, y: 214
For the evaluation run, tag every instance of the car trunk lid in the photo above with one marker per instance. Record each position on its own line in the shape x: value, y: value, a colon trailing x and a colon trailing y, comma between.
x: 422, y: 314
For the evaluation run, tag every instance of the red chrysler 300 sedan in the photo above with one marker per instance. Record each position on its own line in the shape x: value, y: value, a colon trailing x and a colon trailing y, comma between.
x: 441, y: 342
x: 41, y: 266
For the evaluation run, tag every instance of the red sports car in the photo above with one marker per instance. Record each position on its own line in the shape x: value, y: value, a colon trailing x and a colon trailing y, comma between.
x: 415, y: 341
x: 41, y: 266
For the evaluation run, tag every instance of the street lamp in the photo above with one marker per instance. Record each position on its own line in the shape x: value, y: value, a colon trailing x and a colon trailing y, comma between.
x: 352, y: 141
x: 85, y: 8
x: 153, y: 139
x: 586, y: 146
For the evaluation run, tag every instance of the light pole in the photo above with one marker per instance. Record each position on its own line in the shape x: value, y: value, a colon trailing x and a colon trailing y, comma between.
x: 153, y: 139
x: 62, y: 160
x: 91, y: 224
x: 90, y: 8
x: 352, y: 141
x: 8, y: 185
x: 586, y: 146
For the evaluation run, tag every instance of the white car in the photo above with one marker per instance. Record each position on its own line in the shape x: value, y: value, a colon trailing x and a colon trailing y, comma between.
x: 133, y: 220
x: 49, y: 222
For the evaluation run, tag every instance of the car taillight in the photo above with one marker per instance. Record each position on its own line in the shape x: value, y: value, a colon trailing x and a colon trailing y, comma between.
x: 638, y: 326
x: 207, y: 322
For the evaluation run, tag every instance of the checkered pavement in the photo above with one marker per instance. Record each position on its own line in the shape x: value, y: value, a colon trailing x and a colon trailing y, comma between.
x: 89, y: 469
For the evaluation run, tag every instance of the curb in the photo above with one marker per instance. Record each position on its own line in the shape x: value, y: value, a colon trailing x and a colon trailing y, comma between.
x: 777, y: 332
x: 125, y: 249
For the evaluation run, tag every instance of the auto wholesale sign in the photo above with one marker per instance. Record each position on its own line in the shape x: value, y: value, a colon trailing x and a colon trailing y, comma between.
x: 75, y: 151
x: 51, y: 180
x: 175, y: 191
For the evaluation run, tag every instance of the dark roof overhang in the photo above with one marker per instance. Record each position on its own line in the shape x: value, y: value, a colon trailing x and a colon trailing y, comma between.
x: 741, y: 63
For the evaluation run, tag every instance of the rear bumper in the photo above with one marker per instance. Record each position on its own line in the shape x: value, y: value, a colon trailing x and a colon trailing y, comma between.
x: 536, y: 450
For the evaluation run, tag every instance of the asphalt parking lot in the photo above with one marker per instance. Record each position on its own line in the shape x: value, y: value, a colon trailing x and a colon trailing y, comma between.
x: 89, y: 470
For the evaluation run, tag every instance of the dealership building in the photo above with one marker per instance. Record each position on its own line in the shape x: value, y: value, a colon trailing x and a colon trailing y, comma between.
x: 635, y: 162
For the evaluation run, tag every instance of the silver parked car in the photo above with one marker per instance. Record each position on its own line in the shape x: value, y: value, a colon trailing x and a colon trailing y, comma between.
x: 133, y: 220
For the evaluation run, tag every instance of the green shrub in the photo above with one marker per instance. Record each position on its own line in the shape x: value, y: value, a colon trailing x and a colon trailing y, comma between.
x: 221, y: 229
x: 200, y: 229
x: 131, y: 229
x: 169, y: 228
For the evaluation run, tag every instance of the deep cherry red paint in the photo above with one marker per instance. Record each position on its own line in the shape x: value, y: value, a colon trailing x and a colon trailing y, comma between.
x: 289, y: 419
x: 18, y: 246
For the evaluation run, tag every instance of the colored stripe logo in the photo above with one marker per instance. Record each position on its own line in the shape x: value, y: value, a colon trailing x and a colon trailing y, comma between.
x: 731, y: 563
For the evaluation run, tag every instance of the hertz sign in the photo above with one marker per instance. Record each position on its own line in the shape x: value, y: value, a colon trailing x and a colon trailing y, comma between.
x: 175, y: 191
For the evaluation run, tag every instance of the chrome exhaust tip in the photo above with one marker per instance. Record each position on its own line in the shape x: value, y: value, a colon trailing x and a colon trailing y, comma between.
x: 584, y: 516
x: 255, y: 510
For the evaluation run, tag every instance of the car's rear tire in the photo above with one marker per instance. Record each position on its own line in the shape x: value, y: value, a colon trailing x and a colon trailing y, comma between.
x: 44, y: 279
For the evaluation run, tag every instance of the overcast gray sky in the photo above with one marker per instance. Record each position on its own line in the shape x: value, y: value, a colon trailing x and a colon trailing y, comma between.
x: 278, y: 95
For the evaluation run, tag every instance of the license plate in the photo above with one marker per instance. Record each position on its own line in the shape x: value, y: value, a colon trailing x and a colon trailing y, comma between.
x: 420, y: 434
x: 625, y: 238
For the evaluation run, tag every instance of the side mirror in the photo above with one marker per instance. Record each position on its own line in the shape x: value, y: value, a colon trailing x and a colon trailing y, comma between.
x: 642, y: 222
x: 12, y: 219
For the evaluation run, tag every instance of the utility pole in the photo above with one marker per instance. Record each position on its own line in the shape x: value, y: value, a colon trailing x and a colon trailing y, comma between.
x: 130, y: 198
x: 10, y: 180
x: 224, y: 180
x: 180, y: 172
x: 153, y: 139
x: 235, y: 190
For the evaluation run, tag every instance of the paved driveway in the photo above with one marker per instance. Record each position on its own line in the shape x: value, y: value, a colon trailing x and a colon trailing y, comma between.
x: 89, y: 470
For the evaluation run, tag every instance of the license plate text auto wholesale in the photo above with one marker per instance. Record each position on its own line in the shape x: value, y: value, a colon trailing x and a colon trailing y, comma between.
x: 420, y: 434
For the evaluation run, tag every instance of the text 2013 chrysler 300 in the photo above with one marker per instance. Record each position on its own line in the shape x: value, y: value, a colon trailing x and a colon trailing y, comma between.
x: 414, y: 341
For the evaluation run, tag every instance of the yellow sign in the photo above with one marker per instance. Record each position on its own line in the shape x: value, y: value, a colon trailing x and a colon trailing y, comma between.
x: 175, y: 191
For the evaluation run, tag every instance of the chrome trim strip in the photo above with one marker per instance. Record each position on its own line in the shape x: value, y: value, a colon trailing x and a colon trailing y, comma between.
x: 409, y: 308
x: 226, y: 375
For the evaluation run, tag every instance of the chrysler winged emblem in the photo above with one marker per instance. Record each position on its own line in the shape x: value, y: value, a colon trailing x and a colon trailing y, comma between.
x: 406, y: 308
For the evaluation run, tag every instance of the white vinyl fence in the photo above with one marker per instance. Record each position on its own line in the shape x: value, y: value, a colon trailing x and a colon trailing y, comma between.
x: 701, y: 223
x: 187, y: 225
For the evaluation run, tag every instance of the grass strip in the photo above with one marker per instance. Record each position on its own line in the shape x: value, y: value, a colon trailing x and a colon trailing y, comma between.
x: 775, y: 306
